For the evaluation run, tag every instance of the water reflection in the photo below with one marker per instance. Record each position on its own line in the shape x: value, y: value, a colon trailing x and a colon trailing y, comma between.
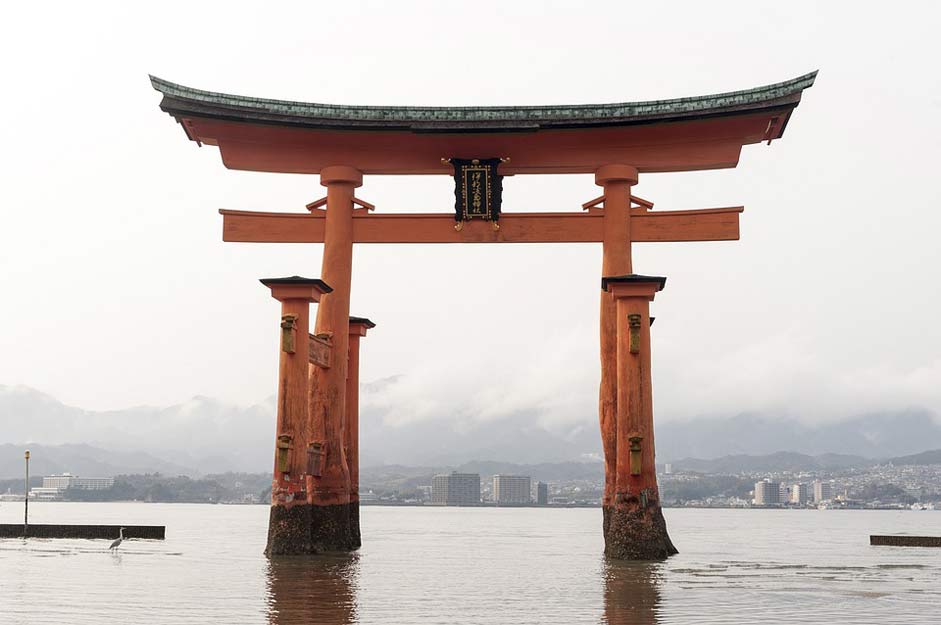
x: 316, y: 589
x: 631, y: 592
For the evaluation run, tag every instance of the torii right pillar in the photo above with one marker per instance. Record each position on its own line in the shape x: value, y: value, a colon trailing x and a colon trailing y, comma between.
x: 634, y: 527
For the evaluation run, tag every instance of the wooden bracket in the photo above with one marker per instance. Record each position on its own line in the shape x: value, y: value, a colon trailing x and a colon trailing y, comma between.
x: 641, y: 203
x: 363, y: 204
x: 322, y: 203
x: 593, y: 203
x: 317, y: 204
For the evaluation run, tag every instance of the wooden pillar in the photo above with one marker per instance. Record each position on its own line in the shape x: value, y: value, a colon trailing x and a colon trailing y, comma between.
x: 616, y: 260
x: 358, y: 328
x: 329, y: 494
x: 636, y: 529
x: 288, y: 528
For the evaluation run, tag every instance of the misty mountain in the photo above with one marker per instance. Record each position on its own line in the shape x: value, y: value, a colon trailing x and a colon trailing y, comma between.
x: 779, y: 461
x: 441, y: 442
x: 925, y: 457
x: 877, y: 435
x: 83, y: 460
x: 204, y: 435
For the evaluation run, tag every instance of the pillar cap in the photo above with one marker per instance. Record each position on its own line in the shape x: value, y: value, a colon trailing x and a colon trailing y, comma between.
x: 633, y: 278
x: 359, y: 325
x: 615, y: 173
x: 339, y: 174
x: 362, y: 320
x: 297, y: 287
x: 633, y: 285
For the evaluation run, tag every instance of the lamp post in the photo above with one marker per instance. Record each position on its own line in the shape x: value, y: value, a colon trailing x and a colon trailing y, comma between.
x: 26, y: 499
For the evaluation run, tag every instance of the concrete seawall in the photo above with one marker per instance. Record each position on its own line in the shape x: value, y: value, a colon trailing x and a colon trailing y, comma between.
x: 905, y: 541
x: 15, y: 530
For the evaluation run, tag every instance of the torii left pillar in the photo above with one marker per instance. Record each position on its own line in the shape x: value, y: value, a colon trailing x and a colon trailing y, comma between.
x: 290, y: 519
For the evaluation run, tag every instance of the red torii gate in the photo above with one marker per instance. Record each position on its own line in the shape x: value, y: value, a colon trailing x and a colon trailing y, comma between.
x: 315, y: 498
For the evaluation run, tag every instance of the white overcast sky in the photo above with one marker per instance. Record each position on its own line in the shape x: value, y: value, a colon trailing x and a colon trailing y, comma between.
x: 117, y: 289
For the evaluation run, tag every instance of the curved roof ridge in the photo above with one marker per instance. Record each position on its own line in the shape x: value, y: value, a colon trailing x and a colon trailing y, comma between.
x: 533, y: 113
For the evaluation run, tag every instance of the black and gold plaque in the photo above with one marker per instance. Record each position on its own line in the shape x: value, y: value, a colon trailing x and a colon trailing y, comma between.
x: 478, y: 189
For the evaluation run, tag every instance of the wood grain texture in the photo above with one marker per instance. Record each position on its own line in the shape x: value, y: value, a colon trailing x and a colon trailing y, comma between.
x: 328, y: 386
x: 618, y: 223
x: 292, y: 416
x: 321, y: 351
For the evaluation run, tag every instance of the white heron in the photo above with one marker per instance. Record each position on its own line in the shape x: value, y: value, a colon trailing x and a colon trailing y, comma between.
x: 120, y: 539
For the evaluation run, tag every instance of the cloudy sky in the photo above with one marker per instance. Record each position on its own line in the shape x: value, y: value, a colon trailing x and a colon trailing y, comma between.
x: 117, y: 289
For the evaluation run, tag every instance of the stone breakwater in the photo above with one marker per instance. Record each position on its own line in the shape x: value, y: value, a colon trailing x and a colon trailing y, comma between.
x: 905, y: 541
x: 15, y: 530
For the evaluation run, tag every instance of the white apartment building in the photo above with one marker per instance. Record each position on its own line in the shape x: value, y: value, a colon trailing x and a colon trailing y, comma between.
x: 456, y: 489
x: 800, y: 493
x: 822, y: 491
x: 512, y: 489
x: 67, y: 480
x: 54, y: 485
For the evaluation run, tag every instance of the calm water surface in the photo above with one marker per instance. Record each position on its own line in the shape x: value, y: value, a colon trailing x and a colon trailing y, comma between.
x: 473, y: 565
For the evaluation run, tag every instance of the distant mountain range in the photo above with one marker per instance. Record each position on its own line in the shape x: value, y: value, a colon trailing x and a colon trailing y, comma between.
x: 925, y: 457
x: 205, y: 435
x: 83, y: 460
x: 202, y: 435
x: 778, y: 461
x: 876, y: 435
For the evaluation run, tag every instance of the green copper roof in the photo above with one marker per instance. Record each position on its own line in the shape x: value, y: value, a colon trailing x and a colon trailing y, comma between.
x: 182, y: 101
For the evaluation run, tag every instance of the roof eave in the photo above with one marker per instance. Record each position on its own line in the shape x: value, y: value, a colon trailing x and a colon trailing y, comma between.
x: 182, y: 110
x: 203, y: 104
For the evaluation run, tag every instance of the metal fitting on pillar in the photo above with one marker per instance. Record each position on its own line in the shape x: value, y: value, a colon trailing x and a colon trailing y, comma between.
x: 633, y: 321
x: 288, y: 333
x: 636, y: 458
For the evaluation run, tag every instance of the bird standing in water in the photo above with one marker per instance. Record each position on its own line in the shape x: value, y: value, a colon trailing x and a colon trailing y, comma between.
x: 120, y: 539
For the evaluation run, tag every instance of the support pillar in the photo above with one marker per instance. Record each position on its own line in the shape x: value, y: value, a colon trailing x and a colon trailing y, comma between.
x: 634, y: 525
x: 289, y: 522
x: 616, y: 260
x: 329, y: 494
x: 358, y: 328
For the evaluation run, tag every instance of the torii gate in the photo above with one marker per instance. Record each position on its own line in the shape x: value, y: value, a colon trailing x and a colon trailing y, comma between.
x: 315, y: 498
